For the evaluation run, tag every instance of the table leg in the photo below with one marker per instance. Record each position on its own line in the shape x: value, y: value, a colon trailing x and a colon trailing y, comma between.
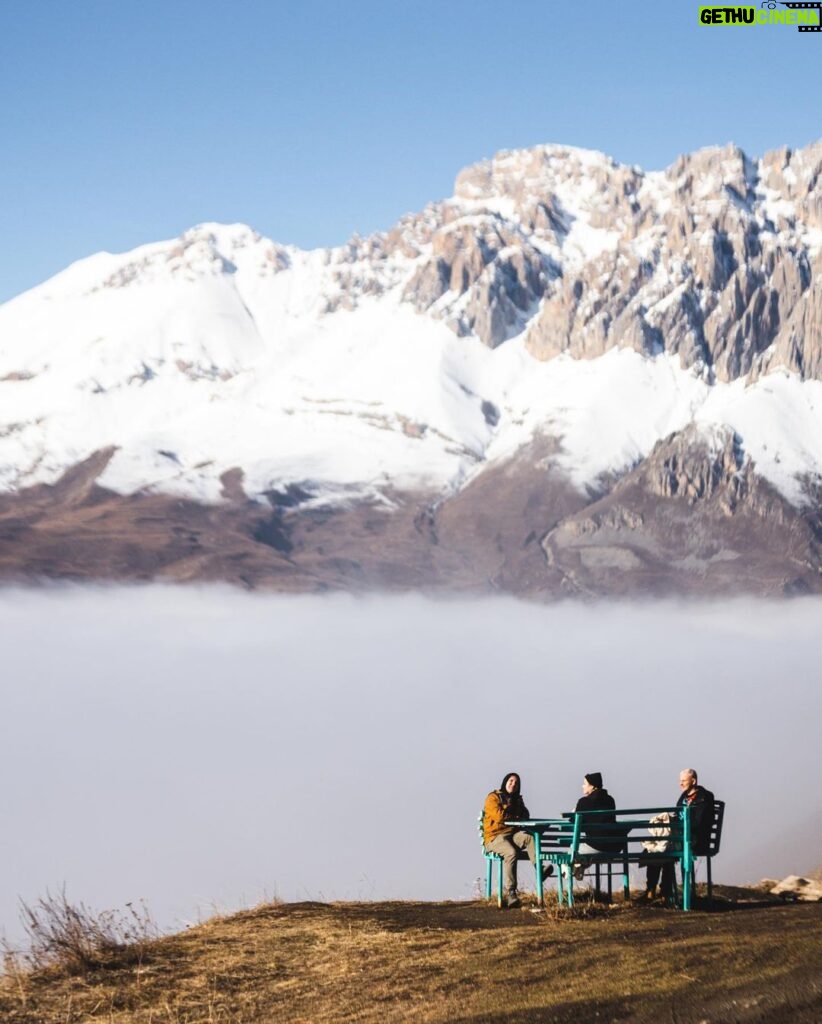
x: 538, y: 852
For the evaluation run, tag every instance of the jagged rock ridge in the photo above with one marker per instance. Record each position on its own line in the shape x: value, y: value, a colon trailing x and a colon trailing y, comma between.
x: 712, y: 259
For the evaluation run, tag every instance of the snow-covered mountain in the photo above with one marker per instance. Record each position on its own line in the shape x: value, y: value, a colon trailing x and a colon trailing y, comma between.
x: 545, y: 366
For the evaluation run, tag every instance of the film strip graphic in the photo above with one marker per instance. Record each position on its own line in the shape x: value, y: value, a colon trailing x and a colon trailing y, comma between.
x: 804, y: 7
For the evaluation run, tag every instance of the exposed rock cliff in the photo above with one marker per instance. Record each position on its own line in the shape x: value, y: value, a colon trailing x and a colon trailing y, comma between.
x: 712, y: 259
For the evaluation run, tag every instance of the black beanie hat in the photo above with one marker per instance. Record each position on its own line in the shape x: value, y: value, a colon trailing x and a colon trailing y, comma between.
x: 594, y: 779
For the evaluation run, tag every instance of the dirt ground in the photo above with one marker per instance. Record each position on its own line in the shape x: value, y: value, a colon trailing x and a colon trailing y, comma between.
x: 747, y: 959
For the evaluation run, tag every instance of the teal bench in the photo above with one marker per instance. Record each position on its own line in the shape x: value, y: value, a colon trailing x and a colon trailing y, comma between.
x: 558, y: 840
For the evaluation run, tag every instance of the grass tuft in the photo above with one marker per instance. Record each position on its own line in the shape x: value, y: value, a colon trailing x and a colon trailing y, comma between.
x: 68, y: 936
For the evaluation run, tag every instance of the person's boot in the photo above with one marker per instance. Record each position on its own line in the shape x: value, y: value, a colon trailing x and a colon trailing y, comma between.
x: 511, y: 899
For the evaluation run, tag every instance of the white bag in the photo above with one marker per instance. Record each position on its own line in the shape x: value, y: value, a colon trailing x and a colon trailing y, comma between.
x: 660, y: 825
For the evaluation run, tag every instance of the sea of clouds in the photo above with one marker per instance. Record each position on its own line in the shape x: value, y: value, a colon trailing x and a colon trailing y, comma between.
x: 205, y: 749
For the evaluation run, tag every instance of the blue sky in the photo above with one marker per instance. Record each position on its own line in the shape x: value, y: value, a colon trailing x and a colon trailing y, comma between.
x: 123, y: 123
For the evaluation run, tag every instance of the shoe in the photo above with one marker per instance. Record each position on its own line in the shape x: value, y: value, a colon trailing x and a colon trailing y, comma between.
x: 547, y: 870
x: 511, y: 901
x: 579, y: 872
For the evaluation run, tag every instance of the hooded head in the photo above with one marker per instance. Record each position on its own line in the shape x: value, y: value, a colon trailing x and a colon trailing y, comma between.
x: 594, y: 779
x: 515, y: 790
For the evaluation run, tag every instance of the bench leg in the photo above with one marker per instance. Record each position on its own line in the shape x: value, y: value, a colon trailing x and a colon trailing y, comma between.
x: 560, y: 884
x: 488, y: 869
x: 607, y: 870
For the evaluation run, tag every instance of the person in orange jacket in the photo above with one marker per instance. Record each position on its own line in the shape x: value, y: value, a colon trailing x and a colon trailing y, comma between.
x: 501, y: 805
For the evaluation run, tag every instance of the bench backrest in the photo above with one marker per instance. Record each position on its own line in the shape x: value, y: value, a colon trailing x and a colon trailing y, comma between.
x: 628, y: 833
x: 633, y: 827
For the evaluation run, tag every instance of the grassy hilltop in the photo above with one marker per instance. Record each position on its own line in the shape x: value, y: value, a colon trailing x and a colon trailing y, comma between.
x: 748, y: 960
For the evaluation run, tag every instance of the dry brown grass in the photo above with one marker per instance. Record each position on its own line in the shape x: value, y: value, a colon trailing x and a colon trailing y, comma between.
x: 68, y: 935
x: 750, y: 960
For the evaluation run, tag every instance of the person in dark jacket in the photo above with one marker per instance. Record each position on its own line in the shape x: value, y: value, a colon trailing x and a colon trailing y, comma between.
x: 595, y: 826
x: 701, y: 802
x: 501, y: 805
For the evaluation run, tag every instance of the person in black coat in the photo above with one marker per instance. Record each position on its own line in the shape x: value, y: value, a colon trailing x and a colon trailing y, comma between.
x: 701, y: 802
x: 595, y: 826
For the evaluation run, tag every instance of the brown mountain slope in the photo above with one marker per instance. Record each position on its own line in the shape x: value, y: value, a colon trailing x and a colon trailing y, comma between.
x: 687, y: 520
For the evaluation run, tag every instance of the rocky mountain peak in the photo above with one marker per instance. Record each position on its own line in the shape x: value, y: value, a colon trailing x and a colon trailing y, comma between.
x: 708, y: 260
x: 206, y: 250
x: 534, y: 172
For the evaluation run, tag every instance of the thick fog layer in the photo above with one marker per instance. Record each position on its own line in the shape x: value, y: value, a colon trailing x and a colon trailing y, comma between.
x: 206, y: 749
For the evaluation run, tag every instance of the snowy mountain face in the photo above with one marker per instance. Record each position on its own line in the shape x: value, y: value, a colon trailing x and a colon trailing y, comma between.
x: 566, y: 358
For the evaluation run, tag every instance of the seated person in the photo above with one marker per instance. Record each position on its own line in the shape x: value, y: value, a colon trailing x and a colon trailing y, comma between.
x: 503, y: 804
x: 701, y: 802
x: 595, y: 798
